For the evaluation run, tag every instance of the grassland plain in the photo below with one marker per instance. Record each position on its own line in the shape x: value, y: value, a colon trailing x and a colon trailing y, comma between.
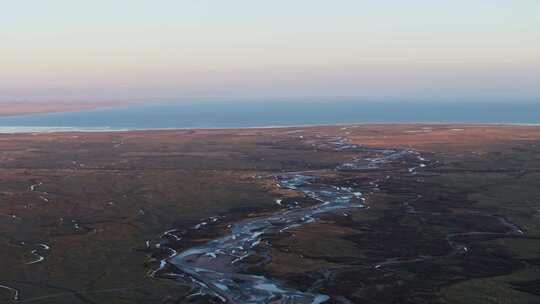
x: 93, y: 205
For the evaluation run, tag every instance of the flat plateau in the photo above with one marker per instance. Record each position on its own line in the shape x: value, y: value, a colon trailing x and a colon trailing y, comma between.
x: 85, y: 217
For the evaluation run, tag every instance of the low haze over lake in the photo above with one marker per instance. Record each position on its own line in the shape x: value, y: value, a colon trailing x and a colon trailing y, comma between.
x: 270, y: 114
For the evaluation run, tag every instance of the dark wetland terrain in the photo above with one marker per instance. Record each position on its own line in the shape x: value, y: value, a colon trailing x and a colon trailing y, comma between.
x: 348, y: 214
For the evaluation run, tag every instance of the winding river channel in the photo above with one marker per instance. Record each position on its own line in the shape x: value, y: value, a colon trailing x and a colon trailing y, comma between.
x: 217, y: 269
x: 213, y: 267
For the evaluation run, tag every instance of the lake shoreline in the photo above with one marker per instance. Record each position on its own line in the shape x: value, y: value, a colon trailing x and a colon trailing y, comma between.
x: 271, y: 115
x: 51, y: 130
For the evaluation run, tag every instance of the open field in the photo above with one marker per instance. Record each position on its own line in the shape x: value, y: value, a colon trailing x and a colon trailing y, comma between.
x: 81, y: 213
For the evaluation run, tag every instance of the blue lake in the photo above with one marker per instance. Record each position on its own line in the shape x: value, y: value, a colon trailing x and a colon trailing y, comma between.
x: 268, y: 114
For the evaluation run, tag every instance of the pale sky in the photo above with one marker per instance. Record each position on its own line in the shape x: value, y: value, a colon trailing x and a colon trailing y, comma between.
x: 145, y: 49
